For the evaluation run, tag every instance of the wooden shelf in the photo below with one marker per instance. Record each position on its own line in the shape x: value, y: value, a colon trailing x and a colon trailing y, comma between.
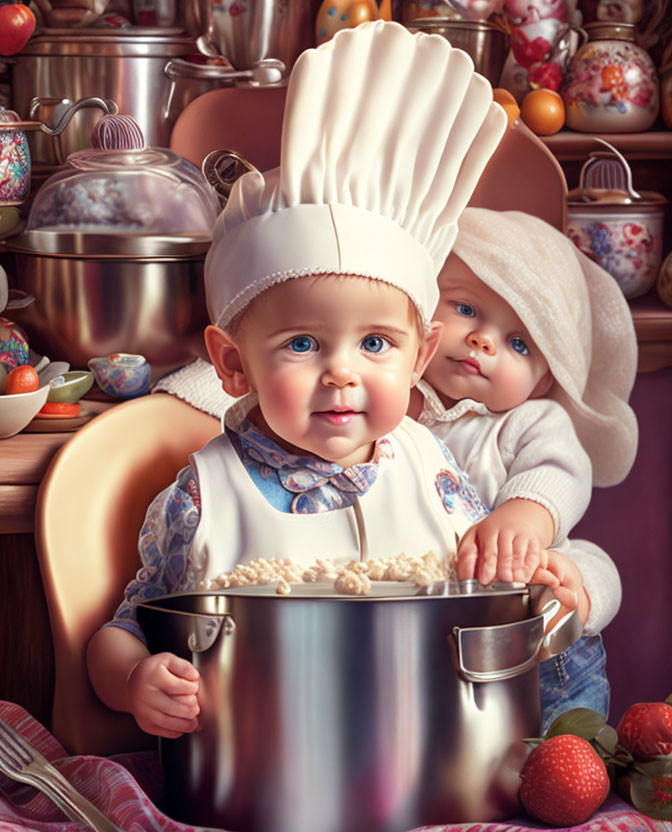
x: 568, y: 145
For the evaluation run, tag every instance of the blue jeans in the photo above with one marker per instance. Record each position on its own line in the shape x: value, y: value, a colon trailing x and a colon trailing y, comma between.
x: 575, y: 678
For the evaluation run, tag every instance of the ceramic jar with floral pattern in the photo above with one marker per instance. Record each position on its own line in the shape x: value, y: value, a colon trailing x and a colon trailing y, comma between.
x: 615, y: 225
x: 14, y: 160
x: 611, y: 85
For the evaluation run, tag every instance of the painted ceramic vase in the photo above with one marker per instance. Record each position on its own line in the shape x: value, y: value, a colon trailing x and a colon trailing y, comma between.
x: 14, y: 160
x: 611, y: 85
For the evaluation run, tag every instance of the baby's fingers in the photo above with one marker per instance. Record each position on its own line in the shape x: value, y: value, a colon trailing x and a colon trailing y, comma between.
x: 467, y: 556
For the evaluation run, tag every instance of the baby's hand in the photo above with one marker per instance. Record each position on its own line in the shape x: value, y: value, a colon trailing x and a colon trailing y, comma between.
x: 162, y: 693
x: 506, y: 544
x: 561, y: 574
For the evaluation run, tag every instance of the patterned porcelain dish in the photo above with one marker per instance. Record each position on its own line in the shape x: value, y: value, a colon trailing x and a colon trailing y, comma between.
x: 616, y: 226
x: 121, y: 374
x: 14, y: 160
x: 611, y: 85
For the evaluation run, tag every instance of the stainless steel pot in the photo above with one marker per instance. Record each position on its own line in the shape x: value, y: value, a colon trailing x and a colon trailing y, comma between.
x: 87, y: 306
x: 486, y: 43
x: 127, y: 68
x: 341, y: 714
x: 279, y: 29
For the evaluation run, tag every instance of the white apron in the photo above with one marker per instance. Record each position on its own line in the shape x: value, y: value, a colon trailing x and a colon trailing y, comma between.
x: 402, y: 511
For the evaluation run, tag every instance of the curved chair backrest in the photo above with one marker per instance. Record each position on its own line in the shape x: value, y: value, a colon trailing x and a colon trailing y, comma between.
x: 91, y: 505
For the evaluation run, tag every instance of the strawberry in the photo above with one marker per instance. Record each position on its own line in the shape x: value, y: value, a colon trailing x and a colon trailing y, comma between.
x: 645, y: 730
x: 564, y: 781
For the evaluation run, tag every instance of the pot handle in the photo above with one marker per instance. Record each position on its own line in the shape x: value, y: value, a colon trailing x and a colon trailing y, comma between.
x: 485, y: 653
x: 107, y: 105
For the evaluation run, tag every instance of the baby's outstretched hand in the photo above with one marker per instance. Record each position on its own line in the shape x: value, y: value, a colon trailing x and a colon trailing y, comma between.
x: 506, y: 544
x: 162, y: 693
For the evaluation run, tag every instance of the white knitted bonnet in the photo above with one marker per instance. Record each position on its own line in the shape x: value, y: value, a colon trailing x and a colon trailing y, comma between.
x: 577, y: 316
x: 385, y: 135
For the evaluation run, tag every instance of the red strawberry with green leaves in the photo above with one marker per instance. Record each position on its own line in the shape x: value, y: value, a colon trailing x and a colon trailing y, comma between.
x: 645, y: 730
x: 564, y: 781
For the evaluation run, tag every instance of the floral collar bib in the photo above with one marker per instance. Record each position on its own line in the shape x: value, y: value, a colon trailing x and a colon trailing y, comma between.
x: 319, y: 485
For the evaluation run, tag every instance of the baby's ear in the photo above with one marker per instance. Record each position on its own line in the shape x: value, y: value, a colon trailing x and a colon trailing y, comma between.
x: 428, y: 345
x: 225, y: 356
x: 543, y: 385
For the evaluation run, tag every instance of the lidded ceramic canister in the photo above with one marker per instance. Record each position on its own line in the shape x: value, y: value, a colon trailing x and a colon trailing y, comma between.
x: 618, y: 227
x: 611, y: 85
x: 14, y: 160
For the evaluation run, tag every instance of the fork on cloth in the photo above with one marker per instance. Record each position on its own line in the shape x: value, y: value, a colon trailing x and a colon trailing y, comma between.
x: 21, y: 762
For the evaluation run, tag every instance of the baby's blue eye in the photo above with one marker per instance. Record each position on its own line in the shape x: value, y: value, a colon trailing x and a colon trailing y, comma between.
x: 303, y: 343
x: 519, y: 345
x: 375, y: 343
x: 466, y: 310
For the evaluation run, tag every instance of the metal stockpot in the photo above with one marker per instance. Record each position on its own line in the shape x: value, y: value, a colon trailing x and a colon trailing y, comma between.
x: 125, y: 67
x: 342, y: 714
x: 87, y: 306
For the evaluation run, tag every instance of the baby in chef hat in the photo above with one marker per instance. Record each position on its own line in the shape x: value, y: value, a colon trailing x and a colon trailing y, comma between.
x: 321, y: 286
x: 529, y: 388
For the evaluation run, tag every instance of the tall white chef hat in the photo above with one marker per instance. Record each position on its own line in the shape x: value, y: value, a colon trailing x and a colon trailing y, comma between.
x: 385, y: 135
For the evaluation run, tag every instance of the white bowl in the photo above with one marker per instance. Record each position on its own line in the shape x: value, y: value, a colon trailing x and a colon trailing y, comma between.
x: 19, y: 409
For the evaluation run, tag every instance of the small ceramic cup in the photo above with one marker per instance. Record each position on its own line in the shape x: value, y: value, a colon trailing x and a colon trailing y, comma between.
x: 70, y: 386
x: 121, y: 374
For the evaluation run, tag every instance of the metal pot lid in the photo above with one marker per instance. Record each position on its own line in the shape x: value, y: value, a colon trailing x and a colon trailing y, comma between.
x: 87, y: 244
x: 605, y: 183
x: 120, y: 187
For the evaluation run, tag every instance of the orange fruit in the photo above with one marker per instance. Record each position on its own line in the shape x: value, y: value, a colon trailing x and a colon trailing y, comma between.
x: 543, y: 111
x: 506, y: 100
x: 22, y: 379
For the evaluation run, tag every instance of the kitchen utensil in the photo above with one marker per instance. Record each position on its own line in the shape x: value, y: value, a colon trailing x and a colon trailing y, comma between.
x: 121, y: 375
x: 50, y: 370
x: 246, y: 33
x: 71, y: 387
x: 611, y: 84
x: 221, y: 169
x: 485, y: 42
x: 619, y: 227
x: 23, y: 763
x: 126, y: 65
x: 113, y: 254
x: 353, y: 714
x: 17, y: 409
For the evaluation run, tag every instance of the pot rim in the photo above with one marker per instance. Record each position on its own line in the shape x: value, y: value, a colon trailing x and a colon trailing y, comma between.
x: 144, y: 43
x: 267, y: 592
x: 82, y: 245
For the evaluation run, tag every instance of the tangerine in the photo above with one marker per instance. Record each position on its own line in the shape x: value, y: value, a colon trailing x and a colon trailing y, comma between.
x: 22, y: 379
x: 543, y: 111
x: 506, y: 100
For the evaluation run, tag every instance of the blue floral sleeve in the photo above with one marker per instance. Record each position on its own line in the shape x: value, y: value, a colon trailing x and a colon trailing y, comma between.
x: 163, y: 545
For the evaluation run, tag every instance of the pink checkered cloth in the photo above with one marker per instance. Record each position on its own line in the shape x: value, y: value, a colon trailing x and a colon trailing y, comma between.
x: 124, y: 788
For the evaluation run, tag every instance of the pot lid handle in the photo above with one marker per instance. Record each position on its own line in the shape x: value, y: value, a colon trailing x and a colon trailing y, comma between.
x: 607, y: 171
